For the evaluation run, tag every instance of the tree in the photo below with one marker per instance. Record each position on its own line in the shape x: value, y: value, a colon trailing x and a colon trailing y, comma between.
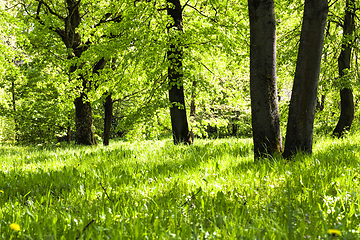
x: 179, y: 123
x: 63, y: 20
x: 263, y: 86
x: 346, y: 96
x: 299, y: 136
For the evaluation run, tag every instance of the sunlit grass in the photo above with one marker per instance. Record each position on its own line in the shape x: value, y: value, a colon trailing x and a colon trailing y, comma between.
x: 154, y: 190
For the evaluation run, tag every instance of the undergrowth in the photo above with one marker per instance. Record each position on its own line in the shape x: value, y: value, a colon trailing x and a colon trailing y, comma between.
x: 155, y: 190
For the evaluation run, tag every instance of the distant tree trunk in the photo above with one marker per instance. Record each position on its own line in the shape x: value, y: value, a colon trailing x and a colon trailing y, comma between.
x: 263, y: 87
x: 108, y: 104
x: 13, y: 101
x: 320, y: 103
x: 299, y: 136
x: 193, y: 97
x: 179, y: 121
x: 84, y: 121
x: 346, y: 95
x: 68, y: 134
x: 108, y: 119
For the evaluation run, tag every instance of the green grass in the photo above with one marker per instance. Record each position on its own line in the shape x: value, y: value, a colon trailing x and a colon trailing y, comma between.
x: 154, y: 190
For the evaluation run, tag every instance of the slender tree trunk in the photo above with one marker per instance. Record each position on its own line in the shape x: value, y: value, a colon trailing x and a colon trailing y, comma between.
x: 179, y: 121
x: 263, y: 87
x: 108, y: 104
x: 299, y: 136
x: 193, y: 98
x: 68, y: 134
x: 13, y: 100
x: 84, y: 121
x: 346, y: 95
x: 320, y: 103
x: 108, y: 119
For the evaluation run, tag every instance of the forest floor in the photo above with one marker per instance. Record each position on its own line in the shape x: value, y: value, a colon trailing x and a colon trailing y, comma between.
x: 155, y: 190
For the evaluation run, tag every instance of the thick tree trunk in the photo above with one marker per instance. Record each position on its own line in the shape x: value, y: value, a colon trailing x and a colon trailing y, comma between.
x: 108, y: 119
x: 179, y: 121
x: 346, y: 95
x: 263, y: 87
x: 84, y: 121
x: 83, y: 110
x: 299, y: 136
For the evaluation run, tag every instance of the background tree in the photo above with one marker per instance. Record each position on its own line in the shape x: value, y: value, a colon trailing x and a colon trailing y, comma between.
x: 179, y: 123
x: 344, y: 60
x: 84, y: 27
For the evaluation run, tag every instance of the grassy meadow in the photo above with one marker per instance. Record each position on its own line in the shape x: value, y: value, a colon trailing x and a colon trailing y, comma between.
x: 154, y: 190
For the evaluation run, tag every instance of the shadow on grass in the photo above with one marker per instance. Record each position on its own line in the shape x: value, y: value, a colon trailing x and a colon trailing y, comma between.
x: 25, y: 184
x: 126, y: 166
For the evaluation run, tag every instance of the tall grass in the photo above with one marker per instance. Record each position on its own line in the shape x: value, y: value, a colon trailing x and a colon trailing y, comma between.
x: 154, y: 190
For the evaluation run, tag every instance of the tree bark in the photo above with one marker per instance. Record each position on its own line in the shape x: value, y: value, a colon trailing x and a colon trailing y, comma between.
x: 179, y: 123
x: 108, y: 119
x: 84, y: 121
x: 68, y: 134
x: 346, y: 95
x: 13, y: 101
x: 263, y: 86
x: 193, y: 98
x: 300, y: 125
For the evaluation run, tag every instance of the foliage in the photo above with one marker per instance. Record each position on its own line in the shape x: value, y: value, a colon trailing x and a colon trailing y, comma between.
x: 216, y: 56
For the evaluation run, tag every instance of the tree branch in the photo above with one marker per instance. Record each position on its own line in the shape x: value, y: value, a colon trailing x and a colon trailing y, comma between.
x: 52, y: 12
x: 202, y: 14
x: 105, y: 19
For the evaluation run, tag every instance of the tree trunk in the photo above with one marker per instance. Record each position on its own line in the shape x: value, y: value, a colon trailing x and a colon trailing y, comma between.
x: 13, y: 101
x: 108, y: 119
x: 108, y: 104
x: 346, y: 96
x: 179, y: 121
x: 263, y: 87
x: 84, y: 121
x: 299, y: 135
x: 320, y: 103
x: 68, y: 134
x: 193, y: 97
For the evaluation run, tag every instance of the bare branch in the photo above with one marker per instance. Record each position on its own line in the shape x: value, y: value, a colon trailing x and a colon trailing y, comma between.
x: 202, y: 14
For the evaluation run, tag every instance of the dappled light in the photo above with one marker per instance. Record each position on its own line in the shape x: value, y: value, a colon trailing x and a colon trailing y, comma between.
x: 179, y: 119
